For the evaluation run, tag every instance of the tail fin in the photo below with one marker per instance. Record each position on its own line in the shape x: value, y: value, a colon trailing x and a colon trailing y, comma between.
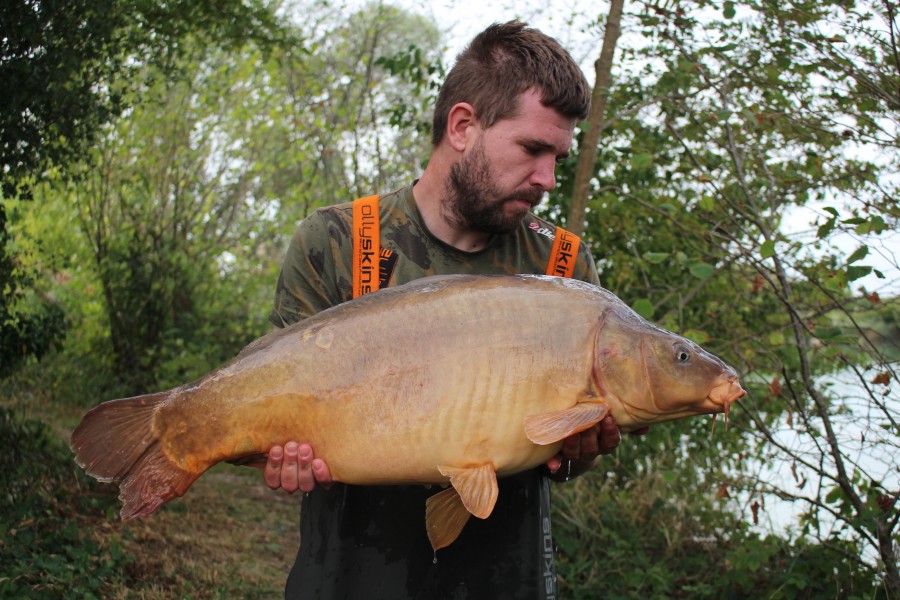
x: 116, y: 441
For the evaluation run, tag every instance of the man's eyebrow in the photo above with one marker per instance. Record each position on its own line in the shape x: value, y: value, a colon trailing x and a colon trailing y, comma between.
x: 545, y: 146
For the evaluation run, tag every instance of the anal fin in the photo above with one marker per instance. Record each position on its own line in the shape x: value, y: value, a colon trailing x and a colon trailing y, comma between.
x: 474, y: 492
x: 551, y: 427
x: 445, y: 517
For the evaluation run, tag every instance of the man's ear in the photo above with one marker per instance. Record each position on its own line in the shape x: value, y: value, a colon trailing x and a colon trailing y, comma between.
x: 460, y: 123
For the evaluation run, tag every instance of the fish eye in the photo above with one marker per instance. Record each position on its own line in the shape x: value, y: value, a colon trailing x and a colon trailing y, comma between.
x: 682, y: 353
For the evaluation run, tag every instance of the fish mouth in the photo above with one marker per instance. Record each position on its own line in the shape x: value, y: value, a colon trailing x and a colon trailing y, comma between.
x: 724, y: 393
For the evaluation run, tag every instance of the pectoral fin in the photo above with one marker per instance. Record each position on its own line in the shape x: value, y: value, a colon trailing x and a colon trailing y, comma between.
x: 445, y: 517
x: 477, y: 487
x: 551, y: 427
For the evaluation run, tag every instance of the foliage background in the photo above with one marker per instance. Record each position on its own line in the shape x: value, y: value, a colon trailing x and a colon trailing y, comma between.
x: 743, y: 193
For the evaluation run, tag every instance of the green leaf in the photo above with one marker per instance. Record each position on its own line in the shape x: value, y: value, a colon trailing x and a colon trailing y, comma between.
x: 859, y: 254
x: 702, y: 270
x: 825, y: 228
x: 854, y: 273
x: 643, y: 307
x: 827, y: 333
x: 834, y: 495
x: 728, y: 10
x: 776, y: 338
x: 642, y: 161
x: 874, y: 225
x: 697, y: 336
x: 655, y: 257
x: 837, y: 281
x: 767, y: 249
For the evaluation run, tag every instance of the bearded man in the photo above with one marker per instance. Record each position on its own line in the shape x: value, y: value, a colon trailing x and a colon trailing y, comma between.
x: 504, y: 117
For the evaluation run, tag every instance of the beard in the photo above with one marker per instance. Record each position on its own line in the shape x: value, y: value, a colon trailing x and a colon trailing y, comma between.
x: 474, y: 202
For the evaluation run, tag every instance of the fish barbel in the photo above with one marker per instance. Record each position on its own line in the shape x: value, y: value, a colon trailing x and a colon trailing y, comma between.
x: 456, y: 379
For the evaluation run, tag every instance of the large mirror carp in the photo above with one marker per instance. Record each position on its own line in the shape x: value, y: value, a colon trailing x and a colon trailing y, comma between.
x: 452, y: 380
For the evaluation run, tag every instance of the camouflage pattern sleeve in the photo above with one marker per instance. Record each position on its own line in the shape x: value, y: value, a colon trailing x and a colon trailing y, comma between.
x: 585, y: 268
x: 310, y: 280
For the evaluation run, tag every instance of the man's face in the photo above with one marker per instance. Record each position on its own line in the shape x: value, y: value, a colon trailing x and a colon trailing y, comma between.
x: 506, y: 168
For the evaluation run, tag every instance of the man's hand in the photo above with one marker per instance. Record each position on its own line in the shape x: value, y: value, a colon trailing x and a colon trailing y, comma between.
x: 579, y: 451
x: 295, y: 467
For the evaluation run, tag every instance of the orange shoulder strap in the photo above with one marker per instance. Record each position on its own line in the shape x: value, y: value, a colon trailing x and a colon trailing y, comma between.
x: 563, y: 254
x: 366, y: 245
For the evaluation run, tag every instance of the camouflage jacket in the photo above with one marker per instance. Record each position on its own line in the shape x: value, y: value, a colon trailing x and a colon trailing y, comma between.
x: 316, y: 273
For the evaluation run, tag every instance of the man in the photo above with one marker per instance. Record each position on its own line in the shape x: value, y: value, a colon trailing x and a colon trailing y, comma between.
x: 504, y: 117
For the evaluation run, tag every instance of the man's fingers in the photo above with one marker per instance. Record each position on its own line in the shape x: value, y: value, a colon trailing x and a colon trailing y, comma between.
x: 579, y: 450
x: 289, y: 478
x: 306, y: 481
x: 554, y: 463
x: 590, y: 443
x: 571, y: 447
x: 272, y: 471
x: 608, y: 436
x: 322, y: 473
x: 295, y: 467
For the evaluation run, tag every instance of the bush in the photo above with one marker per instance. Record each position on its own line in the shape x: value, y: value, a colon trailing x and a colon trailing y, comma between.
x: 48, y: 508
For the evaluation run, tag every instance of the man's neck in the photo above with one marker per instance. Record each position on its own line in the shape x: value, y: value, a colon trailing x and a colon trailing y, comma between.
x: 428, y: 193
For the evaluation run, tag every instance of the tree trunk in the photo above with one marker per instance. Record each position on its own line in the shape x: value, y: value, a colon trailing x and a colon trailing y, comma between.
x: 587, y: 149
x: 885, y: 534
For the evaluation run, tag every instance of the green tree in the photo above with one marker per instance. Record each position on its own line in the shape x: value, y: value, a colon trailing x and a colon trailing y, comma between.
x: 334, y: 132
x: 725, y: 120
x: 650, y: 527
x: 65, y: 64
x: 596, y: 120
x: 199, y: 183
x: 366, y: 124
x: 31, y: 323
x: 169, y: 199
x: 65, y: 68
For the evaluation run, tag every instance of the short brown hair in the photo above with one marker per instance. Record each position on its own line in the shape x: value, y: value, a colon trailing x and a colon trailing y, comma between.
x: 500, y: 64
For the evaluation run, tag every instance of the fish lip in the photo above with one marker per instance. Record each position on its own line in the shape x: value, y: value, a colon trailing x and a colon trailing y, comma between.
x: 726, y: 391
x: 723, y: 394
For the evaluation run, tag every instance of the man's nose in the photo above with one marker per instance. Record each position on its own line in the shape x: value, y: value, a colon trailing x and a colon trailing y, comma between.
x: 544, y: 173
